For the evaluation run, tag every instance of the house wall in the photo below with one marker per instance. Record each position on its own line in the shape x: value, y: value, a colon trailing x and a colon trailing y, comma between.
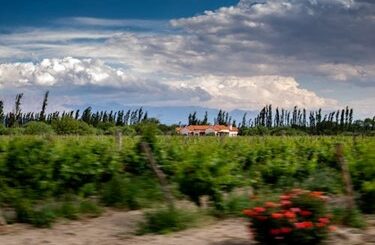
x: 210, y: 131
x: 184, y: 131
x: 233, y: 133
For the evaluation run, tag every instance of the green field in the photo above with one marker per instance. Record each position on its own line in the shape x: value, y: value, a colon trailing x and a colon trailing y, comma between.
x: 65, y: 173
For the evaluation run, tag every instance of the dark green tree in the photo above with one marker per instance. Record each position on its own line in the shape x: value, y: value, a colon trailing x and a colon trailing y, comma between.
x: 205, y: 119
x: 86, y: 115
x: 42, y: 115
x: 2, y: 114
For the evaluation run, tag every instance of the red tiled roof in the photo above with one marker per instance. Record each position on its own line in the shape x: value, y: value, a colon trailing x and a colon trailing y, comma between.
x: 205, y: 127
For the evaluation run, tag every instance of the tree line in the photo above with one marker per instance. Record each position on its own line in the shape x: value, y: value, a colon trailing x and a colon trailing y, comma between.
x: 298, y: 119
x: 268, y: 120
x: 130, y: 122
x: 17, y: 118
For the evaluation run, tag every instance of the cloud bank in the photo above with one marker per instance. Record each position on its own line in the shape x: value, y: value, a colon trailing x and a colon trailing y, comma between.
x: 227, y: 92
x: 242, y: 56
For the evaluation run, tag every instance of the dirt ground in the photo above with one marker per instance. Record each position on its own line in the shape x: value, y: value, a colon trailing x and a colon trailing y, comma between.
x: 115, y: 228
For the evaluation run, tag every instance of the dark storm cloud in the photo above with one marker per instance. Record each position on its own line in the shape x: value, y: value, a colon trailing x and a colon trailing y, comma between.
x: 291, y: 37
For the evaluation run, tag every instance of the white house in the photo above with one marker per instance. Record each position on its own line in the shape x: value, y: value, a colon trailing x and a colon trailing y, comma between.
x: 217, y: 130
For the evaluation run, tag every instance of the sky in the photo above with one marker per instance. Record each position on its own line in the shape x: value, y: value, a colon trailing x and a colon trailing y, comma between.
x: 174, y: 56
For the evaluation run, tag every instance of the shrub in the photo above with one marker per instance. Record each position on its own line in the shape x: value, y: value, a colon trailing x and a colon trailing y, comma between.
x: 82, y: 162
x: 132, y: 193
x: 352, y: 218
x: 24, y: 210
x: 38, y: 128
x: 27, y: 213
x: 363, y: 174
x: 13, y: 131
x: 117, y: 193
x: 128, y: 131
x: 88, y: 189
x: 28, y: 166
x: 233, y: 205
x: 207, y: 175
x: 166, y: 220
x: 299, y: 218
x: 43, y: 218
x: 2, y: 129
x: 90, y: 208
x: 69, y: 210
x: 332, y: 181
x: 67, y: 125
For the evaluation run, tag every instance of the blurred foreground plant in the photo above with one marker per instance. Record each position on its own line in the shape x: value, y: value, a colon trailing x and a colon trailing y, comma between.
x: 300, y: 217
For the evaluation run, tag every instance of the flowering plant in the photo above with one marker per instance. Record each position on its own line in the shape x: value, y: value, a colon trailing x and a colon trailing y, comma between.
x: 300, y: 217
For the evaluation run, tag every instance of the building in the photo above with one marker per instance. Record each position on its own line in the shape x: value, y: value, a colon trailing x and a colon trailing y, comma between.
x: 200, y: 130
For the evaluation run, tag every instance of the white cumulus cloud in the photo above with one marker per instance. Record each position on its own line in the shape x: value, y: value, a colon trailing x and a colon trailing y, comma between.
x: 68, y: 75
x: 230, y: 92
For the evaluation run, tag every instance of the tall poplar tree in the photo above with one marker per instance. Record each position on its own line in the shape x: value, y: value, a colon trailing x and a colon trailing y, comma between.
x: 42, y: 115
x: 2, y: 117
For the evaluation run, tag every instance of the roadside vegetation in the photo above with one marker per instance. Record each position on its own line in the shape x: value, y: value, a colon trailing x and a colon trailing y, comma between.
x: 44, y: 178
x: 269, y: 121
x: 71, y: 166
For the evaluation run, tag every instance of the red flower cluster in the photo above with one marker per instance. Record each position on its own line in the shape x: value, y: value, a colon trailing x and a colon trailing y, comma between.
x: 304, y: 225
x: 294, y: 212
x: 281, y: 231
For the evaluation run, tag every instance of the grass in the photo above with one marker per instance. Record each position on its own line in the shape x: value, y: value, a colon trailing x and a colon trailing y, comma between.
x: 165, y: 220
x: 44, y: 215
x: 131, y: 192
x: 90, y: 208
x: 352, y: 218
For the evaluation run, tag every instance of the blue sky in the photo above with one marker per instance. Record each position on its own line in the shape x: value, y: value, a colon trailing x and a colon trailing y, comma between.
x: 170, y: 55
x: 38, y: 12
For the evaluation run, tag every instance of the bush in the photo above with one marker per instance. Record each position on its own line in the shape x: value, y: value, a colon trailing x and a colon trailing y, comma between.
x: 24, y: 210
x: 69, y: 210
x: 90, y: 208
x: 207, y: 175
x: 43, y: 218
x: 2, y: 129
x: 38, y: 128
x: 332, y: 181
x: 167, y: 220
x: 84, y: 162
x: 128, y: 131
x: 67, y: 125
x: 28, y: 166
x: 233, y: 205
x: 287, y: 131
x: 13, y: 131
x: 299, y: 218
x: 132, y: 193
x: 351, y: 218
x: 27, y: 213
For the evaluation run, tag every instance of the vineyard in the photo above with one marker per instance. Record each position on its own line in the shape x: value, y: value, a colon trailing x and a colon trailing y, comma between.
x: 44, y: 178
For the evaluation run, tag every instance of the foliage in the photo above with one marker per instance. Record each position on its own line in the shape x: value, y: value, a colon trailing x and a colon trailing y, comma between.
x: 69, y: 210
x: 12, y: 131
x: 43, y: 168
x: 43, y: 218
x: 28, y: 166
x: 269, y: 121
x: 37, y: 128
x: 233, y: 205
x: 202, y: 174
x: 132, y: 193
x: 363, y: 171
x: 67, y: 125
x: 167, y: 220
x: 300, y: 217
x: 90, y: 208
x: 352, y: 218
